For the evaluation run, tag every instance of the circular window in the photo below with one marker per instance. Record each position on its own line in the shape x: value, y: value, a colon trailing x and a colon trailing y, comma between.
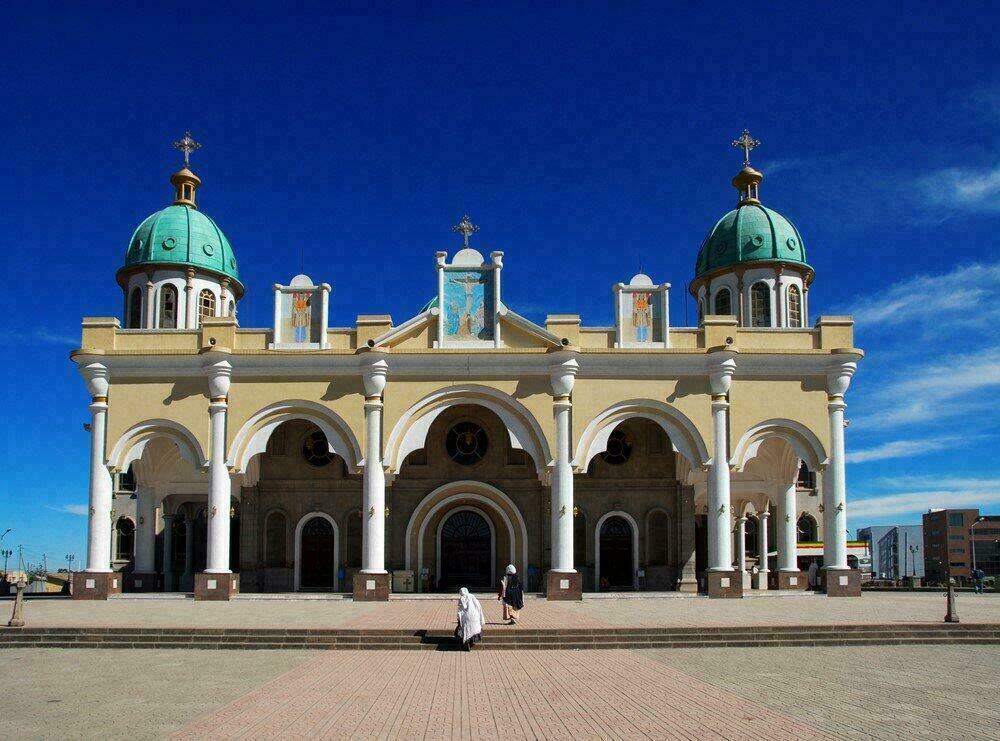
x: 169, y: 243
x: 466, y: 443
x: 758, y: 240
x: 316, y: 450
x: 209, y: 249
x: 619, y: 448
x: 792, y: 244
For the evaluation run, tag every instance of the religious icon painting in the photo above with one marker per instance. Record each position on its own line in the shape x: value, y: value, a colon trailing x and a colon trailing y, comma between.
x: 468, y: 305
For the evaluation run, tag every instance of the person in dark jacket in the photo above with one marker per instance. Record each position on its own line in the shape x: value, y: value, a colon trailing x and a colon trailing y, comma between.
x: 511, y: 595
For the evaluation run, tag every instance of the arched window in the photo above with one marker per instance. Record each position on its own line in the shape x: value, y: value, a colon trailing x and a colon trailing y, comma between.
x: 126, y: 539
x: 750, y: 535
x: 232, y: 309
x: 275, y: 533
x: 806, y: 529
x: 657, y: 538
x: 701, y: 310
x: 724, y: 302
x: 352, y: 541
x: 760, y: 305
x: 806, y: 478
x: 133, y: 320
x: 206, y: 304
x: 168, y: 307
x: 794, y: 307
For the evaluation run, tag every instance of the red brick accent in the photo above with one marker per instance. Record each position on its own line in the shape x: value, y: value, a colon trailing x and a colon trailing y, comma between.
x: 724, y: 584
x: 87, y: 585
x: 840, y: 582
x: 216, y: 587
x: 372, y: 587
x: 784, y: 580
x: 563, y: 586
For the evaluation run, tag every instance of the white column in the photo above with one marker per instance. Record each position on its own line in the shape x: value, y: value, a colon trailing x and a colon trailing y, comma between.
x: 834, y: 477
x: 99, y: 519
x: 563, y: 375
x: 189, y: 303
x: 150, y: 304
x: 219, y: 373
x: 762, y: 548
x: 788, y: 557
x: 168, y: 552
x: 720, y: 556
x: 324, y: 317
x: 145, y: 531
x: 375, y: 372
x: 741, y: 545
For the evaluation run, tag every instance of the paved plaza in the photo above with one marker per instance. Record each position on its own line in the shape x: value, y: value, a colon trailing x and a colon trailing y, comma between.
x: 750, y: 693
x: 439, y: 614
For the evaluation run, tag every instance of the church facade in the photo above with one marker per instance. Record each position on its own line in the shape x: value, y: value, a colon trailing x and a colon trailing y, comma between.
x: 426, y: 455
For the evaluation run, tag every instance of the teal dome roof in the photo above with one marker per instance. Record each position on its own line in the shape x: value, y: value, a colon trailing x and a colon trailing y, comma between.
x: 181, y: 235
x: 750, y: 233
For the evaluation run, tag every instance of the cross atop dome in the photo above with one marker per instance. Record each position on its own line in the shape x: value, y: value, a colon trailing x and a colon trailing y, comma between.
x: 466, y: 228
x: 747, y: 143
x: 187, y: 145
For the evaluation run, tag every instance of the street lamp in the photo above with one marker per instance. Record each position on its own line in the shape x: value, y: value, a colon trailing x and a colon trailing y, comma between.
x: 914, y: 549
x: 972, y: 537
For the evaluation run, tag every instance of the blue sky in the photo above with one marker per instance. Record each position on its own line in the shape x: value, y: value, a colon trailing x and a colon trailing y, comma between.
x: 346, y: 139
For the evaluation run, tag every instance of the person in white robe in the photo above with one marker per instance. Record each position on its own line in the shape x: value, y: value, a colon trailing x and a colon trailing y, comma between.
x: 470, y: 619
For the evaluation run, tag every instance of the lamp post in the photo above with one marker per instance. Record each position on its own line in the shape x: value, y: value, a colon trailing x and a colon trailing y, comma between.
x: 914, y: 549
x: 972, y: 537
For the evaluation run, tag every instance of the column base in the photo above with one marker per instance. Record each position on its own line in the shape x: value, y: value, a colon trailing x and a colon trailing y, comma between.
x: 87, y: 585
x: 143, y: 582
x: 372, y: 587
x: 760, y: 581
x: 840, y: 582
x: 216, y: 587
x: 560, y: 585
x: 788, y: 580
x: 688, y: 584
x: 724, y: 584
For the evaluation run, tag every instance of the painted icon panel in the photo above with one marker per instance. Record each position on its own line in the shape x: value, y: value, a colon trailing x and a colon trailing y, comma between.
x: 642, y: 317
x: 468, y: 305
x: 300, y: 316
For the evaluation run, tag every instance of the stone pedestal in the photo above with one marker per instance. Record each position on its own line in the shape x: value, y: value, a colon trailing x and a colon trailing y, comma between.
x: 688, y: 585
x: 841, y: 582
x: 216, y: 587
x: 372, y: 587
x: 724, y: 584
x: 143, y: 582
x: 87, y: 585
x: 761, y: 581
x: 789, y: 580
x: 560, y: 585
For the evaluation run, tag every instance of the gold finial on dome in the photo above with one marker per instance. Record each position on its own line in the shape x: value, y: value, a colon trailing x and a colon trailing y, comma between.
x: 747, y: 179
x: 184, y: 181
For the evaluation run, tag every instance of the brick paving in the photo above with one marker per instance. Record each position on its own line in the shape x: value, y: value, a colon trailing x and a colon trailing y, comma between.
x: 525, y: 694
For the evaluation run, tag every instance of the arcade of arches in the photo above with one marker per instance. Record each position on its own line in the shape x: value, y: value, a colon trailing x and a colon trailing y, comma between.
x: 461, y: 507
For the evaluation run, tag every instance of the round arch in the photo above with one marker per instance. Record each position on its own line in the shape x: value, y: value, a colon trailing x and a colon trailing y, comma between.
x: 476, y: 494
x: 803, y: 441
x: 410, y: 432
x: 597, y: 546
x: 493, y: 540
x: 253, y: 435
x: 298, y: 549
x: 684, y: 436
x: 130, y: 446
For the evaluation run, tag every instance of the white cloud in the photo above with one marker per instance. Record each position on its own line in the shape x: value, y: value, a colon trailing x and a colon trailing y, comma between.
x: 903, y: 449
x: 968, y: 294
x: 964, y: 188
x: 71, y: 509
x: 927, y: 492
x: 42, y: 335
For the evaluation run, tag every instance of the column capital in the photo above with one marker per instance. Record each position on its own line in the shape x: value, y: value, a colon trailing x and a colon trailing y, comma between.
x: 764, y: 514
x: 563, y: 368
x: 374, y: 373
x: 721, y: 367
x: 839, y: 375
x: 219, y: 373
x: 97, y: 379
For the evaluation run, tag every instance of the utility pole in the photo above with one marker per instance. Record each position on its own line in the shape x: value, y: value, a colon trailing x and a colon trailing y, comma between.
x: 69, y: 561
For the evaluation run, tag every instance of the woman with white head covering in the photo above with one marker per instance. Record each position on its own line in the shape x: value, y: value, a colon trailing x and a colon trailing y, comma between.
x: 470, y: 619
x: 511, y: 594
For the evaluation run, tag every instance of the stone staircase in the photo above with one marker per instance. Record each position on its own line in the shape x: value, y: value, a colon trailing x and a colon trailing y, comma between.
x: 519, y: 638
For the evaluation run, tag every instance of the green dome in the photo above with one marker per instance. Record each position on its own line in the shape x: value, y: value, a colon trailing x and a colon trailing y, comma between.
x: 182, y: 236
x: 750, y: 233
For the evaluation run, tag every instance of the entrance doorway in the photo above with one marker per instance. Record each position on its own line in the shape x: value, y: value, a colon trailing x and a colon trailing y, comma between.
x: 466, y: 552
x: 616, y: 554
x: 317, y: 556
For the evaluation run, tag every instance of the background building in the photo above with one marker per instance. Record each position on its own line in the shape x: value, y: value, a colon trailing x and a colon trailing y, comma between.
x: 955, y: 539
x: 901, y: 552
x: 872, y: 535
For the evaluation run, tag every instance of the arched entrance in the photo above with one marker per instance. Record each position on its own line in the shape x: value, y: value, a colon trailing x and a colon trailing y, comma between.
x: 316, y: 557
x: 616, y: 550
x: 466, y: 551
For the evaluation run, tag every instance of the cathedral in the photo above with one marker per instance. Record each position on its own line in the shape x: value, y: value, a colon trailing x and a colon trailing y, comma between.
x: 425, y: 455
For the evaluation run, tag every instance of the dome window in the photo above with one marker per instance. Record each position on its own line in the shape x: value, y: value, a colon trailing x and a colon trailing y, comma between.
x: 794, y: 307
x: 724, y: 302
x: 168, y: 307
x: 206, y: 305
x: 133, y: 313
x: 760, y: 305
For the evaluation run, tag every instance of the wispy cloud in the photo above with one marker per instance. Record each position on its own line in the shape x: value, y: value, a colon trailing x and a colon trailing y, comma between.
x: 70, y: 509
x: 42, y: 335
x: 903, y: 449
x: 956, y: 493
x: 964, y: 188
x: 968, y: 294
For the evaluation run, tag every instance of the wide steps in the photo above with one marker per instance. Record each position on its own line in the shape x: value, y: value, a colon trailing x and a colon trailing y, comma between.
x: 537, y: 639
